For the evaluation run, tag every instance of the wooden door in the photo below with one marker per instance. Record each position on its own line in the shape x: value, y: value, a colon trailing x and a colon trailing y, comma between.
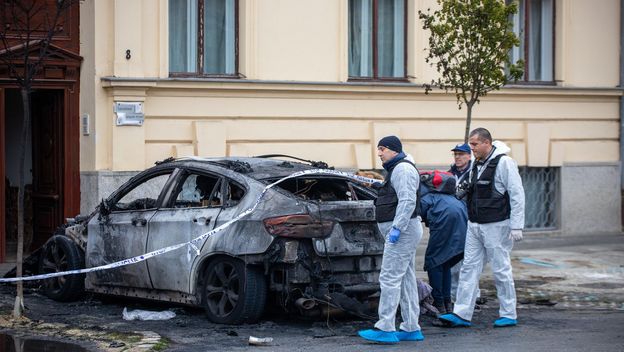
x: 47, y: 163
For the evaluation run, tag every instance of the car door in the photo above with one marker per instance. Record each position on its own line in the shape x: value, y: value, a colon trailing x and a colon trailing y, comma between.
x: 121, y: 231
x: 192, y: 210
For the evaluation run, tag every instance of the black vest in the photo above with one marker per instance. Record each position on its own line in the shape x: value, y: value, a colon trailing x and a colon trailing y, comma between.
x: 387, y: 200
x: 485, y: 203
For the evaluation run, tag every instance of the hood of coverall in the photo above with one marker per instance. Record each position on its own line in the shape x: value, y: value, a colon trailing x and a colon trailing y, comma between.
x: 501, y: 148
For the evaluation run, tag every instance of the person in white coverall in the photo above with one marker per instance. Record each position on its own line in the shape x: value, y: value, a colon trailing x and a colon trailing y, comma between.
x: 396, y: 211
x: 462, y: 161
x: 496, y: 219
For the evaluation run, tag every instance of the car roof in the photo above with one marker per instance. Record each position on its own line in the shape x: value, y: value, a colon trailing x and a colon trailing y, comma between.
x: 256, y: 168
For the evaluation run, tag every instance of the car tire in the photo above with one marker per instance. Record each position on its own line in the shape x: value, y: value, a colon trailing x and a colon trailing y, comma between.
x: 232, y: 292
x: 61, y: 254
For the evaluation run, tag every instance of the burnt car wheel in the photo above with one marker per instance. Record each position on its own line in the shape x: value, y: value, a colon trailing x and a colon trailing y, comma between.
x: 233, y: 293
x: 61, y: 254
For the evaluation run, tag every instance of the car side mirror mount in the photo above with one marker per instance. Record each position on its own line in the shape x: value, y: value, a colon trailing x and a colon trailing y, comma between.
x: 105, y: 209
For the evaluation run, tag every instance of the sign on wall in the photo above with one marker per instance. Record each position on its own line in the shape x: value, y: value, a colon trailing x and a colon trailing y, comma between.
x: 129, y: 113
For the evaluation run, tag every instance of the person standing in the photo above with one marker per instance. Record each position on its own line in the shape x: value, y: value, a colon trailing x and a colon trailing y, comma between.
x: 461, y: 163
x: 460, y: 169
x: 496, y: 218
x: 396, y: 211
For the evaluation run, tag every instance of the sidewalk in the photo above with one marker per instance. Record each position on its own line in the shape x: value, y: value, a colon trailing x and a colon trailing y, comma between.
x: 574, y: 271
x: 577, y: 271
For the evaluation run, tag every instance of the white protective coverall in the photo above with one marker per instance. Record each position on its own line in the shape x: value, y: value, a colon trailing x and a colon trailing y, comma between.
x: 492, y: 242
x: 397, y: 279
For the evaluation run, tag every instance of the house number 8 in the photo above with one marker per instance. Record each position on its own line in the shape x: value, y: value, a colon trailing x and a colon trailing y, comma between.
x: 128, y: 56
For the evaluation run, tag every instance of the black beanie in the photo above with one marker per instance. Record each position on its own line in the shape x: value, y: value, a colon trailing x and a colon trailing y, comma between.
x: 392, y: 143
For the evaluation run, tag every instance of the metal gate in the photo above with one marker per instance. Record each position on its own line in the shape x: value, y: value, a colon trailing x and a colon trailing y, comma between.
x: 542, y: 195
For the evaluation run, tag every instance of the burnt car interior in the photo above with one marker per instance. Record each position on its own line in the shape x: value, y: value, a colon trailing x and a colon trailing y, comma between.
x: 200, y: 190
x: 324, y: 189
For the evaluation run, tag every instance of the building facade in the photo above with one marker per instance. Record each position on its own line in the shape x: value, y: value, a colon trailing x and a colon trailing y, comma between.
x: 325, y: 79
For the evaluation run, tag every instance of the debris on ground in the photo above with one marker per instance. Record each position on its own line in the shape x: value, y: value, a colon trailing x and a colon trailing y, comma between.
x: 260, y: 341
x: 139, y: 314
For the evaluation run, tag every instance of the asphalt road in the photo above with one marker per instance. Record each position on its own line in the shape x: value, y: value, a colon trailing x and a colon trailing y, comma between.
x: 582, y: 278
x: 540, y: 329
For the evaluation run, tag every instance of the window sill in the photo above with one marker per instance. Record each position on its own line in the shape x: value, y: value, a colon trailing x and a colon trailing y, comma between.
x: 206, y: 76
x: 532, y: 83
x: 378, y: 80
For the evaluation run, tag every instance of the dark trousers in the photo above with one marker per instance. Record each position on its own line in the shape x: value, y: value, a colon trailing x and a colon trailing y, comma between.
x: 440, y: 281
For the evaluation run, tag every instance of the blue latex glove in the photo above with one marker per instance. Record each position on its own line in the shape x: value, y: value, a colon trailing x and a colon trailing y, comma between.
x: 394, y: 234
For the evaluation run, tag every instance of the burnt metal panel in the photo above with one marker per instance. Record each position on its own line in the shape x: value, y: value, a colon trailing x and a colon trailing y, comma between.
x: 356, y: 232
x: 156, y: 295
x: 120, y: 236
x: 172, y: 270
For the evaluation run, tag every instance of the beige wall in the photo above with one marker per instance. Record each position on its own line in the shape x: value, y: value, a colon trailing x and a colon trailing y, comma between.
x: 341, y: 124
x: 87, y: 85
x: 293, y: 45
x: 589, y: 42
x: 322, y: 117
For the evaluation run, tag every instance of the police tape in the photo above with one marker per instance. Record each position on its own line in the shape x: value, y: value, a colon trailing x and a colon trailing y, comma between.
x: 194, y: 242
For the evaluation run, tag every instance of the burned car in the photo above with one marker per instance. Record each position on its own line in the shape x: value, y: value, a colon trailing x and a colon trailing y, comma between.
x: 311, y: 239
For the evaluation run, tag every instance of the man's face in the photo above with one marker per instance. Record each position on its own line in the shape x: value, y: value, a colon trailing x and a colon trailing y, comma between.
x: 461, y: 159
x: 385, y: 154
x: 480, y: 147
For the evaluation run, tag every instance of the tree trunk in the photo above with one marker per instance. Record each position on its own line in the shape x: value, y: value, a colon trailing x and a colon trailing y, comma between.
x: 18, y: 344
x: 469, y: 106
x: 18, y: 309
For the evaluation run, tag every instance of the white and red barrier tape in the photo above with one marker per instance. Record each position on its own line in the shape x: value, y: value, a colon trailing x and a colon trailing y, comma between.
x: 194, y: 242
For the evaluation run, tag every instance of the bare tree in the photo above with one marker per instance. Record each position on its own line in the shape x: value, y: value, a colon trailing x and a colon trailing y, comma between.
x: 28, y: 29
x: 469, y: 46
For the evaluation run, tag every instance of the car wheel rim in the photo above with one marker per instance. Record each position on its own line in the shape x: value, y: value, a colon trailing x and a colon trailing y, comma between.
x: 54, y: 261
x: 222, y: 289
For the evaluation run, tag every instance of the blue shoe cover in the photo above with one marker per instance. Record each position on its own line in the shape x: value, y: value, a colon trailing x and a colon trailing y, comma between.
x: 503, y: 322
x: 453, y: 320
x: 378, y: 336
x: 409, y: 335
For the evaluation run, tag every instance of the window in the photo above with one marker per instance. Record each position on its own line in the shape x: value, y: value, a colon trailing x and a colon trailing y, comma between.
x: 325, y: 189
x: 142, y: 196
x: 203, y: 37
x: 534, y: 25
x: 377, y: 43
x: 542, y: 195
x: 199, y: 191
x: 207, y: 191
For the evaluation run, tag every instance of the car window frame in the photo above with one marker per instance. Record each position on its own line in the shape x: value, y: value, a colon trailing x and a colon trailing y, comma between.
x: 226, y: 190
x: 139, y: 179
x: 183, y: 175
x: 366, y: 190
x: 190, y: 170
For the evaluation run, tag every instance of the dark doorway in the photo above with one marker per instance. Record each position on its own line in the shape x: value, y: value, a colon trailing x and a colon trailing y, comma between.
x: 43, y: 206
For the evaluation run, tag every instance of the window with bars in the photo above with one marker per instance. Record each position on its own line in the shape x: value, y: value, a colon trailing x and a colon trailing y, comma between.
x: 542, y: 195
x: 377, y: 39
x: 534, y: 24
x: 203, y: 37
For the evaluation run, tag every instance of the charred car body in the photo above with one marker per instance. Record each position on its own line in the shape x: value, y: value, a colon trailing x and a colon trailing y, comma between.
x: 312, y: 238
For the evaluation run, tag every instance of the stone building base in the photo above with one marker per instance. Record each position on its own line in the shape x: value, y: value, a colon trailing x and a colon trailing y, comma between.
x: 590, y: 196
